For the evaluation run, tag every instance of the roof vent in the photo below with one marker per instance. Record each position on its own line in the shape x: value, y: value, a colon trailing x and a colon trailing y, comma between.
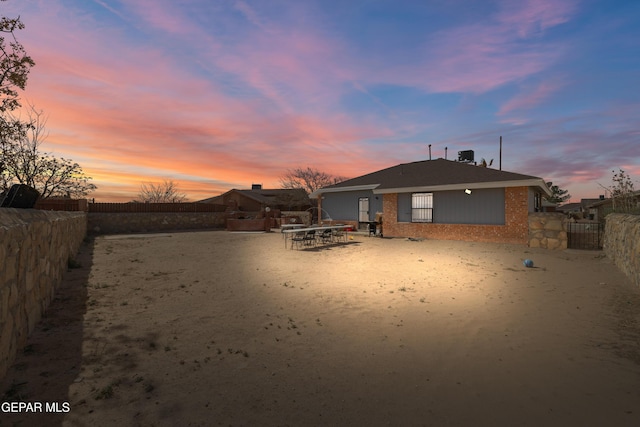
x: 465, y: 156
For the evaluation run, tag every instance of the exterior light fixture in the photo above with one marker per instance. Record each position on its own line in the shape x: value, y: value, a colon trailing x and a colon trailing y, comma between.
x: 467, y: 191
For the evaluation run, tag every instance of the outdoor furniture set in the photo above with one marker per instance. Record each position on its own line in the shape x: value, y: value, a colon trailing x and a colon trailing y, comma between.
x: 316, y: 235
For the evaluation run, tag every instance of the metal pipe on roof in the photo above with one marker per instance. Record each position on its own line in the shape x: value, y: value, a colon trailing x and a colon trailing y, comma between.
x: 500, y: 160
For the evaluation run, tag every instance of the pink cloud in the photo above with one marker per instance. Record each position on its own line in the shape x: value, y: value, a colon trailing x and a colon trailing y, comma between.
x: 133, y: 113
x: 162, y: 15
x: 529, y: 98
x: 480, y: 57
x: 530, y: 17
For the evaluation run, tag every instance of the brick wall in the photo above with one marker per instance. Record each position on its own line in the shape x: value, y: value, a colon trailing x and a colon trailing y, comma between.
x: 34, y: 250
x: 515, y: 230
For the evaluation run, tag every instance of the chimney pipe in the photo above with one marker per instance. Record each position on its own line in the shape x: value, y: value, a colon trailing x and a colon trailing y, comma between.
x: 445, y: 153
x: 429, y: 151
x: 500, y: 152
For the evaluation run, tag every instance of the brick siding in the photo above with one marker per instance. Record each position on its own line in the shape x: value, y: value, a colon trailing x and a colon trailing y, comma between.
x: 515, y: 230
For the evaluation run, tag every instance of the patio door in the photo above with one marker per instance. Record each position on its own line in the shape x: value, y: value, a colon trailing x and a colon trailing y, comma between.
x: 363, y: 209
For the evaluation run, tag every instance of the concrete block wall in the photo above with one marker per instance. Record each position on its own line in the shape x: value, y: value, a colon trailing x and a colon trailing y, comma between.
x: 548, y: 230
x: 35, y: 247
x: 515, y: 229
x: 147, y: 222
x: 622, y: 243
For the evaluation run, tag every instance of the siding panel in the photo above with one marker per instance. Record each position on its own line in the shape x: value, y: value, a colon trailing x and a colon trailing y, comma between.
x: 344, y: 206
x: 483, y: 206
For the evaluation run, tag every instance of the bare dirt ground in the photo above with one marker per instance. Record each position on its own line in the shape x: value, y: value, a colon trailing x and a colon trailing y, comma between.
x: 218, y: 328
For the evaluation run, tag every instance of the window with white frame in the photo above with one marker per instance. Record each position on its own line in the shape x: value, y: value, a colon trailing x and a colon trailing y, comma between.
x: 422, y: 207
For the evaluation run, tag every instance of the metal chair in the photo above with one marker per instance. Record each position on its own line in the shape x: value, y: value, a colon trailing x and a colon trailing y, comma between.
x: 298, y: 239
x: 310, y: 238
x: 339, y: 235
x: 326, y: 236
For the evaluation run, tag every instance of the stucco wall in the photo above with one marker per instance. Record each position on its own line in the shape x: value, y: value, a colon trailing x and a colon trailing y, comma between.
x: 35, y: 247
x: 622, y: 243
x: 113, y: 223
x: 547, y: 230
x: 515, y: 229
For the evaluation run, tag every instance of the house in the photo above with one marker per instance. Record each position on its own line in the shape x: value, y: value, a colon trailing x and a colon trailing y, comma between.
x: 597, y: 209
x: 581, y: 210
x: 439, y: 199
x: 257, y: 198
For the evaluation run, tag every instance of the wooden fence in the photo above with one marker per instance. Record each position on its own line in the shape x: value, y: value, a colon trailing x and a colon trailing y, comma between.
x: 62, y: 205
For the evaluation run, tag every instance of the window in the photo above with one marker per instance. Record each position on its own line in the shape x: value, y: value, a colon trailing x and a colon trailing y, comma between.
x: 422, y: 207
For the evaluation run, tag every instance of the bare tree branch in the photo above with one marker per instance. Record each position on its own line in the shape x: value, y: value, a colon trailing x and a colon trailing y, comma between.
x: 24, y: 162
x: 308, y: 179
x: 166, y: 192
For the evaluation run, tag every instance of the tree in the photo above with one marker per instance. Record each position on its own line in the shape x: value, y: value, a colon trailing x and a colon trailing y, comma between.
x: 308, y: 179
x: 622, y: 193
x: 14, y: 64
x: 166, y: 192
x: 558, y: 195
x: 14, y: 70
x: 25, y: 163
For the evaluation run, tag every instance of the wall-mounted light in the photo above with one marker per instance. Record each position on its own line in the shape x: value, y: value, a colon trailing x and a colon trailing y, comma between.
x: 467, y: 191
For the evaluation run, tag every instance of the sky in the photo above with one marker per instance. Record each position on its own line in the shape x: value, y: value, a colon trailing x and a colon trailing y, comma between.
x: 223, y: 94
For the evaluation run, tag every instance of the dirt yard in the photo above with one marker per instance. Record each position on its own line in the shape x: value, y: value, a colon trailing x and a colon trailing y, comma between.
x: 218, y: 328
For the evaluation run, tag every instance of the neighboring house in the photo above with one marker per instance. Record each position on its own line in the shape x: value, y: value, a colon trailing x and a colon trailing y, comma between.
x: 257, y: 199
x: 599, y: 208
x: 583, y: 210
x: 572, y: 208
x: 439, y: 199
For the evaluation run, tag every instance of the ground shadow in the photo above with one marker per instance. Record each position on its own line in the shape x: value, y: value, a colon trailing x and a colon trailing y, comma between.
x: 51, y: 360
x: 327, y: 247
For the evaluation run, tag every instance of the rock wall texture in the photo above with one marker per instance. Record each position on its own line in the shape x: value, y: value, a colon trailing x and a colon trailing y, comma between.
x: 547, y: 230
x: 114, y: 223
x: 622, y: 243
x: 35, y: 248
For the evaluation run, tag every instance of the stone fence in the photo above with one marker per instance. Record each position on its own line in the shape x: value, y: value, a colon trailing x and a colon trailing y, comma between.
x: 547, y: 230
x: 35, y: 248
x: 622, y: 243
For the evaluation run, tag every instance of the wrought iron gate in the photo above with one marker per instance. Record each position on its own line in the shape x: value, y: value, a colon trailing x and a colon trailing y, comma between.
x: 585, y: 235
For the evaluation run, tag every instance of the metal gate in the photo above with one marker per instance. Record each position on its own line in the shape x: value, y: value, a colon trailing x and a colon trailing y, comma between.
x: 585, y: 235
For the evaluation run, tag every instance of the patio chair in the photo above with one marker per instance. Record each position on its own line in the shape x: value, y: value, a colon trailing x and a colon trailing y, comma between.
x: 326, y: 236
x: 310, y: 238
x: 339, y: 235
x: 298, y: 239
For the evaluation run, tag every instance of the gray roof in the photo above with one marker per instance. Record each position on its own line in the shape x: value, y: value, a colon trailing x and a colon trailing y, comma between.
x: 439, y: 174
x: 278, y: 196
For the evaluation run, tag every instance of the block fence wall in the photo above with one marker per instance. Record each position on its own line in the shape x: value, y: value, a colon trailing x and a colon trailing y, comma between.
x: 515, y: 229
x: 622, y: 243
x: 146, y: 222
x: 35, y: 247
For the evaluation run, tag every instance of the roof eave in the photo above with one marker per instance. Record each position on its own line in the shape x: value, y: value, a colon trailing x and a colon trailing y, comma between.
x: 318, y: 192
x: 539, y: 183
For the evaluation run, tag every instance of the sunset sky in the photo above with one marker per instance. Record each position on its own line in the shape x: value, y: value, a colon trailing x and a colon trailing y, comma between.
x: 221, y: 94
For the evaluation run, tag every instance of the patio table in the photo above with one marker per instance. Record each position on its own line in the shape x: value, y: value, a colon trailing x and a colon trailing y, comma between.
x: 317, y: 229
